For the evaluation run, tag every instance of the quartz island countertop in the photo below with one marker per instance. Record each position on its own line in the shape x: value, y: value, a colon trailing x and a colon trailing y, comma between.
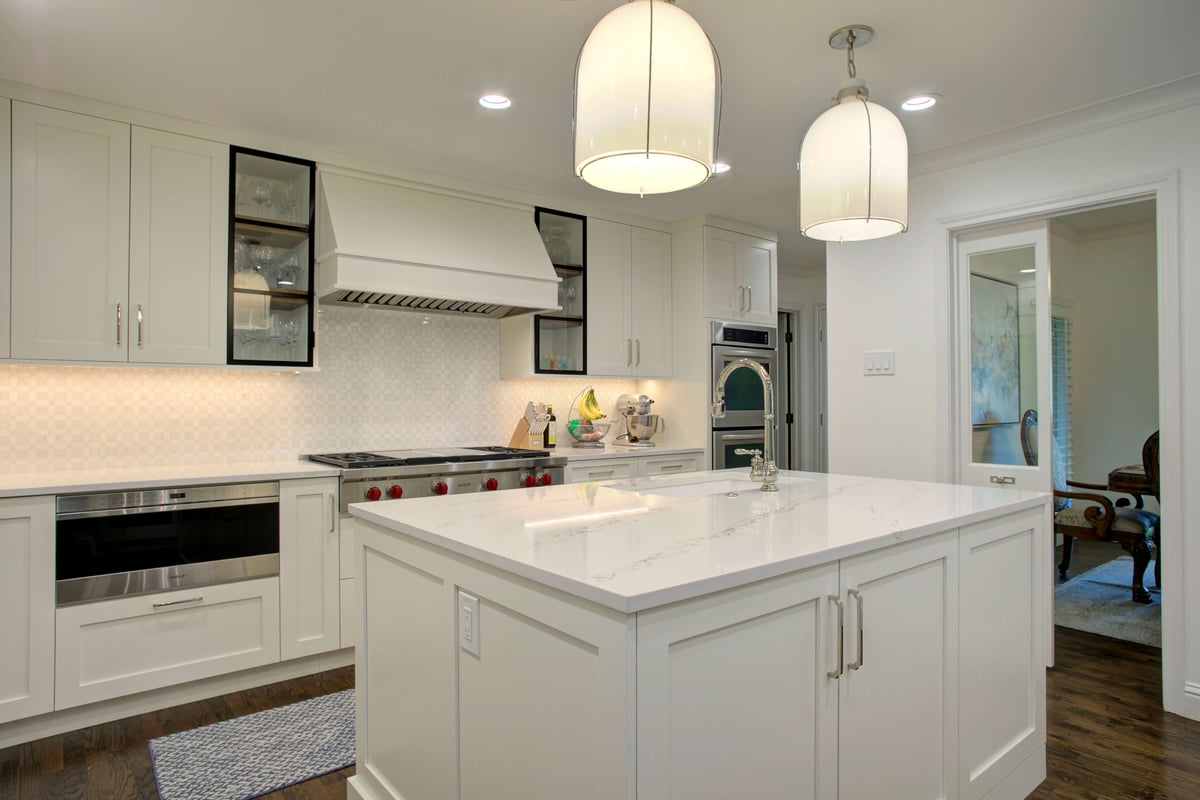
x: 637, y: 544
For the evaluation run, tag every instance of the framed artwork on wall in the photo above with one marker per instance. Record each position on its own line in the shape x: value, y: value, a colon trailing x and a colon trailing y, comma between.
x: 995, y: 352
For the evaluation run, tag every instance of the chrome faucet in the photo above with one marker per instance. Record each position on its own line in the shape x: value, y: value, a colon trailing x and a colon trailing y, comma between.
x: 762, y: 466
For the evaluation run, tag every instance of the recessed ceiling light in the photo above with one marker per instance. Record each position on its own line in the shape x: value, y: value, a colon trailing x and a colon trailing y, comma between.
x: 920, y: 102
x: 719, y: 167
x: 495, y: 101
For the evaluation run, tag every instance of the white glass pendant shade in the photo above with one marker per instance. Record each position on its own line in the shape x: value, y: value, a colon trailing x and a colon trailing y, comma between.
x: 854, y: 173
x: 645, y: 101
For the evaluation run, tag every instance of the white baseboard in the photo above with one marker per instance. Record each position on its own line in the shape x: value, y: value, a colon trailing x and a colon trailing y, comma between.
x: 27, y: 730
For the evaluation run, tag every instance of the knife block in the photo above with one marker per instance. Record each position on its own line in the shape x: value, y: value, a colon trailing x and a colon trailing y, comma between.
x: 525, y: 438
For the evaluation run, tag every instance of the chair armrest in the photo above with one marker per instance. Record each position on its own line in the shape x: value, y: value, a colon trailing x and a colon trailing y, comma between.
x: 1081, y: 485
x: 1099, y: 516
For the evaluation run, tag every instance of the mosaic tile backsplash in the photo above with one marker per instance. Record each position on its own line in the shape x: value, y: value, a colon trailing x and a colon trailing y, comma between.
x: 387, y: 380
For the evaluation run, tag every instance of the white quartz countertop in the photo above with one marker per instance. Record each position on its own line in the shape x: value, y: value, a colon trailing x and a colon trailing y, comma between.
x: 626, y: 545
x: 107, y: 479
x: 611, y: 450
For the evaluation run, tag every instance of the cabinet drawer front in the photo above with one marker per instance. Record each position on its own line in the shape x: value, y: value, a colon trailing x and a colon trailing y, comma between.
x: 669, y: 465
x: 134, y: 644
x: 601, y: 470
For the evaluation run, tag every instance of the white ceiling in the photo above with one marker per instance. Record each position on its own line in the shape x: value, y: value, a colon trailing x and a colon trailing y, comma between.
x: 400, y: 79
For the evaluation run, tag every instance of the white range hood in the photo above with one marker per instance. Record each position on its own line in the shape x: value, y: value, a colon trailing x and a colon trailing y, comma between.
x: 393, y: 244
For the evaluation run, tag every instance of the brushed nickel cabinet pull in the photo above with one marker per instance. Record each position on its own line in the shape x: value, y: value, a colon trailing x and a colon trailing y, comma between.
x: 858, y: 662
x: 199, y: 599
x: 637, y: 359
x: 1003, y: 480
x: 332, y: 513
x: 749, y: 298
x: 835, y: 674
x: 139, y: 317
x: 628, y: 352
x: 118, y: 323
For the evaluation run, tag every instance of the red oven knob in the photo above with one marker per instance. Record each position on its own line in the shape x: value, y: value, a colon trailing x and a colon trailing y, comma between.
x: 440, y: 487
x: 373, y: 493
x: 529, y: 480
x: 546, y: 479
x: 395, y: 492
x: 492, y: 484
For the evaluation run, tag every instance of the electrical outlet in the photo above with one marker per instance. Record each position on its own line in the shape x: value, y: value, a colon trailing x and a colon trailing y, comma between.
x: 468, y: 622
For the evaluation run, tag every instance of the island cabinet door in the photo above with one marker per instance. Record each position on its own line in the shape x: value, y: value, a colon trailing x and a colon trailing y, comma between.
x: 737, y: 693
x: 1002, y: 683
x: 897, y: 718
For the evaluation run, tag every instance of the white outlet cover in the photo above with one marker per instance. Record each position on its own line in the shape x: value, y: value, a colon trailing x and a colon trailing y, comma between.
x: 468, y: 622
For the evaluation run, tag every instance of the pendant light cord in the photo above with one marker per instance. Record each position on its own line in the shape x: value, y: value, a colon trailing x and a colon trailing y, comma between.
x: 850, y: 68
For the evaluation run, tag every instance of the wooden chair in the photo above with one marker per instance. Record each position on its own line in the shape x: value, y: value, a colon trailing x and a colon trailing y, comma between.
x: 1092, y: 516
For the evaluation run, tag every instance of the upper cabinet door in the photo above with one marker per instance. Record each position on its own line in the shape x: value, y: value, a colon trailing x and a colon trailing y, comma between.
x: 650, y: 301
x: 179, y: 229
x: 757, y: 275
x: 609, y: 346
x: 71, y: 235
x: 70, y: 243
x: 5, y: 220
x: 724, y: 293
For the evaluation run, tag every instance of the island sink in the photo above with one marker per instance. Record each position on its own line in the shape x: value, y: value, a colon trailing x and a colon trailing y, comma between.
x: 708, y: 486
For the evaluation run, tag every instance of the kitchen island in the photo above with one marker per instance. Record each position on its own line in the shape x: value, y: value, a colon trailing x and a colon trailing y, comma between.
x: 691, y: 637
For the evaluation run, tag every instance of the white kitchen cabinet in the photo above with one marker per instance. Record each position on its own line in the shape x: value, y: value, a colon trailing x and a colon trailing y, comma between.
x: 914, y: 670
x: 733, y: 692
x: 70, y: 243
x: 629, y: 301
x: 27, y: 597
x: 1001, y: 689
x: 309, y: 571
x: 116, y: 257
x: 178, y: 230
x: 897, y: 713
x: 5, y: 223
x: 629, y: 466
x: 134, y: 644
x: 739, y: 277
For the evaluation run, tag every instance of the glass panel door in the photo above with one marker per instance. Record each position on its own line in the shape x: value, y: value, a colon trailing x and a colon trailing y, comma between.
x: 271, y: 291
x: 1003, y: 363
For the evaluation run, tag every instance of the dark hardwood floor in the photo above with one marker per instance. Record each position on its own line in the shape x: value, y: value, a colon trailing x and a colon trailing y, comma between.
x: 1109, y: 738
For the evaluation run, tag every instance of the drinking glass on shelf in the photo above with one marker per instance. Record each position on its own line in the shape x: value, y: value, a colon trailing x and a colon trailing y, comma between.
x: 263, y: 256
x: 289, y: 198
x: 285, y: 273
x: 260, y: 193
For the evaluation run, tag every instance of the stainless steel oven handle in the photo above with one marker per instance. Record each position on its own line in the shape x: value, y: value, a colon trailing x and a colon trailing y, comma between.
x: 121, y: 512
x: 197, y: 599
x: 740, y: 437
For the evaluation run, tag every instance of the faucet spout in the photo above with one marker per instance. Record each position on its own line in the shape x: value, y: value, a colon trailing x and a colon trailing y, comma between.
x: 768, y: 472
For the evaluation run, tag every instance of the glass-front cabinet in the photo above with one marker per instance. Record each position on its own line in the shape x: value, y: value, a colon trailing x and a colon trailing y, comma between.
x: 271, y: 259
x: 560, y: 338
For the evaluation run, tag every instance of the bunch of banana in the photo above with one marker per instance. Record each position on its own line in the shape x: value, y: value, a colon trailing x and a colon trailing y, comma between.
x: 589, y: 409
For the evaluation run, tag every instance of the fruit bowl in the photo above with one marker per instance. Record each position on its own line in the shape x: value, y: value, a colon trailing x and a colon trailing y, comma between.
x: 582, y: 430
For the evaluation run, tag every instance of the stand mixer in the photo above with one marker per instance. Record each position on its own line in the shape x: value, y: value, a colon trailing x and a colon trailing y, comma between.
x: 640, y: 424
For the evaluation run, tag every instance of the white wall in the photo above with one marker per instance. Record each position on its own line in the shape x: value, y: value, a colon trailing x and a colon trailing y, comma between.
x: 1110, y: 283
x: 892, y: 293
x: 388, y: 380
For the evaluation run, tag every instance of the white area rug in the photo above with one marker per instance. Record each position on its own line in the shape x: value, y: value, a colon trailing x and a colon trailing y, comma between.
x: 258, y: 753
x: 1098, y: 601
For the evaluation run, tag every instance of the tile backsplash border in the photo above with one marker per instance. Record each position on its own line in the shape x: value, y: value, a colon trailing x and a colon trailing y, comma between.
x: 386, y: 380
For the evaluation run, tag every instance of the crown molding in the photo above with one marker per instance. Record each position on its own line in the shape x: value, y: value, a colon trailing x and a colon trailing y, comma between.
x: 1161, y: 99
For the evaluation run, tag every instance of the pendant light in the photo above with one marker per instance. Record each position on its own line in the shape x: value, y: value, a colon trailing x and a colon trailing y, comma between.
x: 853, y: 162
x: 647, y: 99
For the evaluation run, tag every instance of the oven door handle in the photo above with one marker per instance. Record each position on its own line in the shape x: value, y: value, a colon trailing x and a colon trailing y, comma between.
x: 121, y: 512
x: 740, y: 437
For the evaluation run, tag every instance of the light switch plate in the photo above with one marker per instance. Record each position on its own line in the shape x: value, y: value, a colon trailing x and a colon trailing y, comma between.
x: 468, y: 622
x: 879, y: 362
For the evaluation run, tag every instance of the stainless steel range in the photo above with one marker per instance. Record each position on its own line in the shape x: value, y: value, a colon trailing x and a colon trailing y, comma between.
x: 398, y: 474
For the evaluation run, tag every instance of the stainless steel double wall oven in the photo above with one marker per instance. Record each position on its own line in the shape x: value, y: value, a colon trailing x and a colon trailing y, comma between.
x: 742, y: 426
